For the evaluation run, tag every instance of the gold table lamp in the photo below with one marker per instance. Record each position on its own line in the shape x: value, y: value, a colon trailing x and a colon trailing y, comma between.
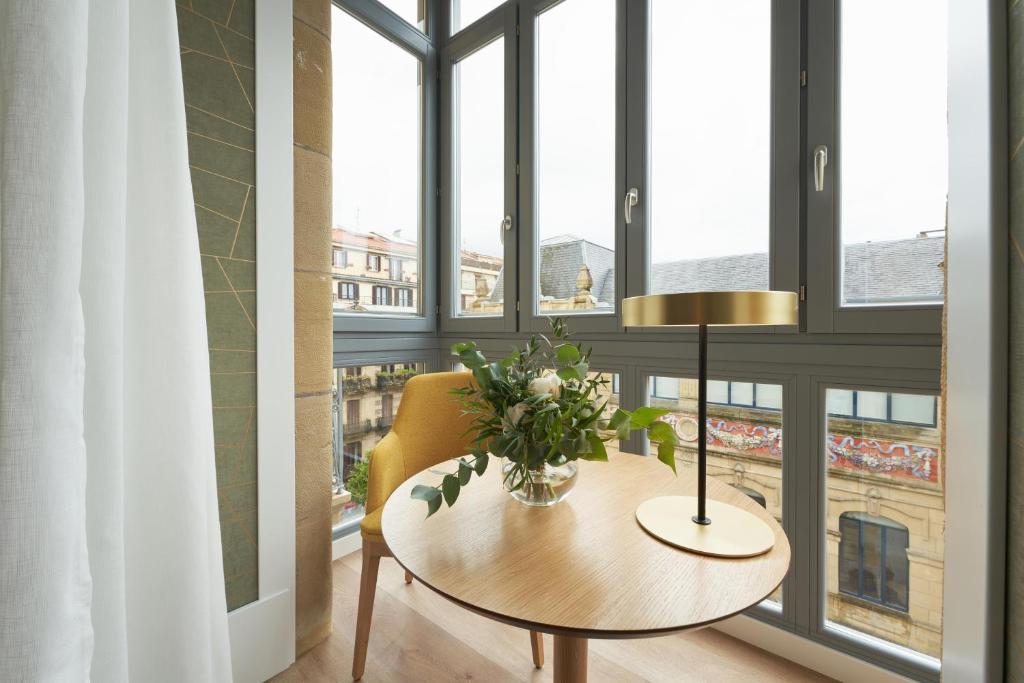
x: 717, y: 528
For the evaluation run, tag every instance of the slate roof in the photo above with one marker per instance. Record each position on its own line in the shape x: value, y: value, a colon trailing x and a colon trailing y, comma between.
x: 886, y: 271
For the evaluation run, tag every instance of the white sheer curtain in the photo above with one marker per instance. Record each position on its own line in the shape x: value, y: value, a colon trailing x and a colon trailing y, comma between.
x: 110, y: 555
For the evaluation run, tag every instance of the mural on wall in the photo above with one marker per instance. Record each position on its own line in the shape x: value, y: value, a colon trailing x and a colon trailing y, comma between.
x: 217, y: 64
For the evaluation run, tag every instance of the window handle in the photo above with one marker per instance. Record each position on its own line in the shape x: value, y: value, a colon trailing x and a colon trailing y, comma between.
x: 632, y: 197
x: 506, y: 225
x: 820, y: 162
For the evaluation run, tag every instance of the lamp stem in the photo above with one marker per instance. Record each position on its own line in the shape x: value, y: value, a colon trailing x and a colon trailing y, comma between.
x: 702, y: 427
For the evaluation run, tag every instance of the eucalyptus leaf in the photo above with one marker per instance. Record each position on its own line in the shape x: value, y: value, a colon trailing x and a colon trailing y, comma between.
x: 567, y: 354
x: 597, y: 449
x: 644, y: 416
x: 667, y: 454
x: 465, y: 473
x: 450, y: 487
x: 568, y: 373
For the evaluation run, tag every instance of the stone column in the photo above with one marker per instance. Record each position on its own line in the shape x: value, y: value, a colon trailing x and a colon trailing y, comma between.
x: 313, y: 321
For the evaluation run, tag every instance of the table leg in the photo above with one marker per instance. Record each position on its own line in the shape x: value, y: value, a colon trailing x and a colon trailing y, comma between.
x: 570, y: 659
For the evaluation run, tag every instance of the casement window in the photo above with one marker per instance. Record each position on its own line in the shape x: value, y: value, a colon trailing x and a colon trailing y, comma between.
x: 403, y: 297
x: 884, y: 518
x: 348, y: 291
x: 873, y: 563
x: 745, y: 441
x: 381, y: 296
x: 358, y: 427
x: 910, y: 409
x: 384, y: 142
x: 745, y: 394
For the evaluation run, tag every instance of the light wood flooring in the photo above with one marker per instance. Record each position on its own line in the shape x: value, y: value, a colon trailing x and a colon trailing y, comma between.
x: 419, y: 636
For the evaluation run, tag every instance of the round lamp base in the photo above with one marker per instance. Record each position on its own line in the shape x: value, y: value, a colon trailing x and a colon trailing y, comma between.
x: 733, y: 532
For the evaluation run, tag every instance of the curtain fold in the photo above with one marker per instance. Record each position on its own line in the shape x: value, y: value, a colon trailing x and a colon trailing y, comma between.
x: 110, y: 553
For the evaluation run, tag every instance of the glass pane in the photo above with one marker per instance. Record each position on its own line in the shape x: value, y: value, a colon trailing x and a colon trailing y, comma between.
x: 376, y: 165
x: 576, y: 200
x: 912, y: 408
x: 896, y: 567
x: 718, y: 391
x: 666, y: 387
x: 710, y: 150
x: 744, y: 442
x: 479, y: 179
x: 465, y: 12
x: 893, y: 107
x: 872, y: 405
x: 884, y: 535
x: 742, y: 394
x: 769, y: 396
x: 413, y: 11
x: 840, y: 402
x: 366, y: 399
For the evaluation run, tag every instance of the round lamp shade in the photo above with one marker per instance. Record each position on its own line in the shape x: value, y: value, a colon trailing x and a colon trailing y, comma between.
x: 711, y: 308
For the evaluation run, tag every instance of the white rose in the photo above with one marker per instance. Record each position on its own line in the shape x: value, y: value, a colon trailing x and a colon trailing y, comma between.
x: 516, y: 413
x: 539, y: 386
x: 549, y: 384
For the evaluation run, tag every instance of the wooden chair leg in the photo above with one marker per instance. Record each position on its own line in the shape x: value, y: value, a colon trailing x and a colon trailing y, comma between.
x: 537, y: 645
x: 408, y: 576
x: 367, y: 590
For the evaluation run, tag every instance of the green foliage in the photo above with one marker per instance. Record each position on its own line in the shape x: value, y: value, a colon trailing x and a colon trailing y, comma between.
x: 359, y: 478
x: 539, y: 405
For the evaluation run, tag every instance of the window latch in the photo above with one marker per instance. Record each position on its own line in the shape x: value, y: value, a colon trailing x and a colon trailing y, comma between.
x: 506, y: 225
x: 632, y: 197
x: 820, y: 162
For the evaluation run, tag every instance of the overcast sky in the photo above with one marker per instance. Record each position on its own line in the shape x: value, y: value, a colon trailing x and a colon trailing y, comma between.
x: 710, y: 163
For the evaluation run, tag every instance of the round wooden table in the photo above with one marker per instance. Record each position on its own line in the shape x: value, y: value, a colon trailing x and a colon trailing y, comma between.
x: 583, y: 568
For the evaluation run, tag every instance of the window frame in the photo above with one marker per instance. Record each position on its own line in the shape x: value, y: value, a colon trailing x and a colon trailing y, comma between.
x: 837, y: 636
x: 501, y: 22
x: 399, y: 354
x: 530, y: 317
x: 825, y: 312
x: 883, y: 535
x: 786, y: 143
x: 787, y: 614
x: 393, y: 28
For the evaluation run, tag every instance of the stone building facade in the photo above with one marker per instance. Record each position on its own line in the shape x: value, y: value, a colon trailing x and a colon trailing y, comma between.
x: 884, y: 478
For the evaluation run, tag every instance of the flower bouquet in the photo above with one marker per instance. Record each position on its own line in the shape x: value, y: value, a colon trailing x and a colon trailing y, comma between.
x: 540, y: 410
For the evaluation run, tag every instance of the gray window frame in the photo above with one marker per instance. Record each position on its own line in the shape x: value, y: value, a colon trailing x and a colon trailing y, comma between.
x: 824, y: 312
x: 904, y: 359
x: 379, y: 18
x: 500, y: 22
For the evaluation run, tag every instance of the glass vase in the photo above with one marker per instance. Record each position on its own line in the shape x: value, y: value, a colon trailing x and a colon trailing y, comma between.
x: 542, y: 487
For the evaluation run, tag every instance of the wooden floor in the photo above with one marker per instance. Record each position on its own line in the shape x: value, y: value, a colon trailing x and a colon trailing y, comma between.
x: 419, y: 636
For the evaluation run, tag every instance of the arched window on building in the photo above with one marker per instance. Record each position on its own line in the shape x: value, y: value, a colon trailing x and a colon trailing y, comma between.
x: 873, y: 562
x: 756, y: 496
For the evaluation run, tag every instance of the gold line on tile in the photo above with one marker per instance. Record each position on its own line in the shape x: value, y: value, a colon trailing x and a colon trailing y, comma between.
x: 222, y: 142
x: 238, y: 227
x: 218, y: 116
x: 237, y: 298
x: 234, y: 71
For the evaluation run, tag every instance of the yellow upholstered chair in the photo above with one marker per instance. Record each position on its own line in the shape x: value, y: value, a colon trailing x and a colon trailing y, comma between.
x: 429, y: 429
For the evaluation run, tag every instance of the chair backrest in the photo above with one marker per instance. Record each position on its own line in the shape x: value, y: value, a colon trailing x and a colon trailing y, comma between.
x: 430, y: 421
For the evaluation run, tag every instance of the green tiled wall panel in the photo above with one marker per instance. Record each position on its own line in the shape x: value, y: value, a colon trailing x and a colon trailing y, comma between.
x: 1015, y: 249
x: 217, y: 58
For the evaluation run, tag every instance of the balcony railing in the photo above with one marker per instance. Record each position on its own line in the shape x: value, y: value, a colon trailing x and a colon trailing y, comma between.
x: 394, y: 381
x: 355, y: 385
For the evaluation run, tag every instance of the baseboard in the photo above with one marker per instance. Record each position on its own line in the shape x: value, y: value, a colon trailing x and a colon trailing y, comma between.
x: 346, y: 545
x: 262, y: 644
x: 804, y: 652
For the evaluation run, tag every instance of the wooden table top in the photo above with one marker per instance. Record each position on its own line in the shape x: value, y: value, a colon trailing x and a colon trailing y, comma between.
x: 583, y: 567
